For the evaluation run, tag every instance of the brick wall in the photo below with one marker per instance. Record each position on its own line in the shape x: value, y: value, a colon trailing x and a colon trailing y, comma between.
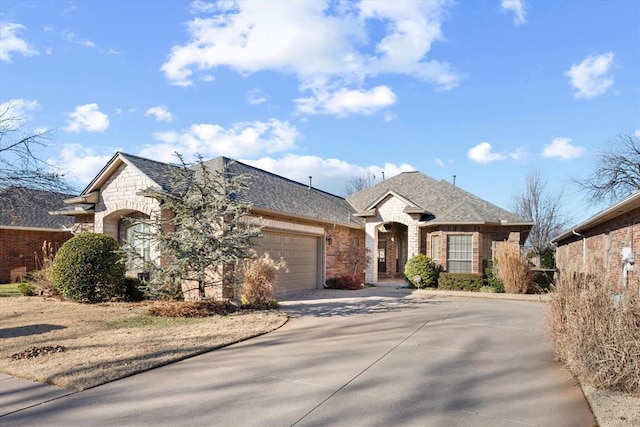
x: 601, y: 246
x: 18, y: 250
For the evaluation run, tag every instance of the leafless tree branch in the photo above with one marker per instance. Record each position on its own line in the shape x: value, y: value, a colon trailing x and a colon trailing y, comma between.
x: 543, y: 207
x: 616, y: 172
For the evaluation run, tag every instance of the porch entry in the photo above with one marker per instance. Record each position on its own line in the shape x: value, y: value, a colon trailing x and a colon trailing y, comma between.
x: 392, y: 250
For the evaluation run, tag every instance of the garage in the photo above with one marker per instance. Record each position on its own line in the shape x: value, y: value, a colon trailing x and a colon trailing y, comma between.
x: 300, y: 251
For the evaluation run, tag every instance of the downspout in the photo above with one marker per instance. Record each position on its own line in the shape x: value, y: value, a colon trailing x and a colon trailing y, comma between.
x: 584, y: 247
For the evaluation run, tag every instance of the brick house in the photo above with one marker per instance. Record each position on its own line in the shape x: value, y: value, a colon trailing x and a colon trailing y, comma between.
x: 598, y: 242
x: 25, y: 224
x: 321, y: 235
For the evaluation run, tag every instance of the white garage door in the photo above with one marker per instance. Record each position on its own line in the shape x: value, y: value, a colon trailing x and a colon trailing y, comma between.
x: 301, y: 254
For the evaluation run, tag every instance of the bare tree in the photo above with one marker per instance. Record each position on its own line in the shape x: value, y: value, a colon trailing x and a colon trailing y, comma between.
x: 543, y: 207
x: 364, y: 179
x: 616, y: 172
x: 21, y: 168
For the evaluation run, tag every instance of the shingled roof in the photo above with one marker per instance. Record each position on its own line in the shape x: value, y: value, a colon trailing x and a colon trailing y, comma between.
x: 277, y: 194
x: 444, y: 202
x: 29, y: 208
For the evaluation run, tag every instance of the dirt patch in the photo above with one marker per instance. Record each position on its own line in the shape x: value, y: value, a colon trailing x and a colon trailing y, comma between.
x: 105, y: 342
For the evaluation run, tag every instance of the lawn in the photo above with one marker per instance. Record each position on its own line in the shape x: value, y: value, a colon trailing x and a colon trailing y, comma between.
x: 104, y: 342
x: 9, y: 290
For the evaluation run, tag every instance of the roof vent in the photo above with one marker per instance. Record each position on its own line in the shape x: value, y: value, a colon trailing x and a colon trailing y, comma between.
x: 310, y: 182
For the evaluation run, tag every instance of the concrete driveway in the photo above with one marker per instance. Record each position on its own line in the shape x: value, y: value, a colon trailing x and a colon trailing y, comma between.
x: 375, y: 357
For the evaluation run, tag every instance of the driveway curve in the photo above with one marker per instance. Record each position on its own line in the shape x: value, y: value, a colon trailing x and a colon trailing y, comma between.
x: 375, y: 357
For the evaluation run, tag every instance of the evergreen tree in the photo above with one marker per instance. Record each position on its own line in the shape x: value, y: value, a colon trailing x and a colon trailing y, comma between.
x: 202, y: 227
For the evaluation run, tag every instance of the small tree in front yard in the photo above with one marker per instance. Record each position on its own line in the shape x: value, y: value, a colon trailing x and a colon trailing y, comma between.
x: 207, y: 228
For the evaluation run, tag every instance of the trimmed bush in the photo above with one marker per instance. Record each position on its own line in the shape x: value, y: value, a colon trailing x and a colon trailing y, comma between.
x: 89, y: 267
x: 491, y: 280
x: 26, y: 289
x: 422, y: 272
x: 345, y: 281
x: 132, y: 289
x: 460, y: 282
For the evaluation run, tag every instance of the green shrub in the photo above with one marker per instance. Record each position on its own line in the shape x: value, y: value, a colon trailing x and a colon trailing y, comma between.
x: 460, y: 282
x: 26, y: 289
x: 491, y: 280
x: 89, y: 267
x: 422, y: 272
x: 132, y: 289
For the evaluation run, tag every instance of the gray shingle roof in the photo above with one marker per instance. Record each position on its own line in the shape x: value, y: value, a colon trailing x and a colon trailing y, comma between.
x: 447, y: 203
x: 159, y: 172
x: 23, y: 207
x: 276, y: 193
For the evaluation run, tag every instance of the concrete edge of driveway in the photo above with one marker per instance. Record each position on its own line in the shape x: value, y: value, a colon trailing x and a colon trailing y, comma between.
x: 518, y: 297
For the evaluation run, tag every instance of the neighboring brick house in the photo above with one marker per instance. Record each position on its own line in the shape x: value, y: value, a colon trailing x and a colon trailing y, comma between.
x: 598, y: 241
x: 412, y: 213
x: 25, y: 224
x: 321, y: 235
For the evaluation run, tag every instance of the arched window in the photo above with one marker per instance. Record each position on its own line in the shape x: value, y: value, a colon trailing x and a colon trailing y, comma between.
x: 139, y: 244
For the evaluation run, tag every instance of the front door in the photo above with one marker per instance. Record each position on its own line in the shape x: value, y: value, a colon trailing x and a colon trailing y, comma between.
x: 382, y: 256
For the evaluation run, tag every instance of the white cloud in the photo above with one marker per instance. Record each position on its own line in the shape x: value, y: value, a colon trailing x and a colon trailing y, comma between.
x: 88, y: 118
x: 10, y: 43
x: 79, y: 162
x: 482, y: 154
x: 18, y: 108
x: 161, y: 113
x: 517, y: 8
x: 343, y: 102
x: 519, y: 153
x: 590, y: 77
x: 256, y: 96
x: 71, y: 37
x: 439, y: 162
x: 241, y: 139
x: 637, y: 133
x: 329, y: 175
x: 562, y: 148
x: 325, y: 45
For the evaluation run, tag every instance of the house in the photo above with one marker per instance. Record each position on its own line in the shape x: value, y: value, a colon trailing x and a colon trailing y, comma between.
x: 321, y: 235
x: 25, y: 224
x: 600, y: 240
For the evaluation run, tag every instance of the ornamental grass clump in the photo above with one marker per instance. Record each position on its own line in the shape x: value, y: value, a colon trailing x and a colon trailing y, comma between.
x: 259, y: 279
x: 594, y: 324
x: 512, y: 269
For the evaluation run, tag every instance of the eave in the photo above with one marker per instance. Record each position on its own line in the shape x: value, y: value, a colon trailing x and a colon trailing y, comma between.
x: 626, y: 205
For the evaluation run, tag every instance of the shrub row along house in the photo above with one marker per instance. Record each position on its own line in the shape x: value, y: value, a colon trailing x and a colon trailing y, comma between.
x: 25, y: 225
x: 320, y: 235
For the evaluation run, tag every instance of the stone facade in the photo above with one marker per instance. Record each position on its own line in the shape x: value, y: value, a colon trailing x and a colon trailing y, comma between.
x: 21, y: 250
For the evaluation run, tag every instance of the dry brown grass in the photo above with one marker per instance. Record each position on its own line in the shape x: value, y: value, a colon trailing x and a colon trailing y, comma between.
x: 105, y: 342
x: 595, y: 328
x: 512, y: 269
x: 259, y: 279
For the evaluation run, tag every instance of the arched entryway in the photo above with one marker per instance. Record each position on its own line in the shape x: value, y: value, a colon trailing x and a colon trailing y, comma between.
x: 122, y: 226
x: 391, y: 250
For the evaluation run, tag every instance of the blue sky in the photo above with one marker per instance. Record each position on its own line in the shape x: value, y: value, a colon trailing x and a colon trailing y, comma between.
x: 485, y: 90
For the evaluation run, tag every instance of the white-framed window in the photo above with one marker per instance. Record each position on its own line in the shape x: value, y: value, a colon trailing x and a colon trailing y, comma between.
x: 139, y: 245
x: 435, y: 248
x: 460, y: 253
